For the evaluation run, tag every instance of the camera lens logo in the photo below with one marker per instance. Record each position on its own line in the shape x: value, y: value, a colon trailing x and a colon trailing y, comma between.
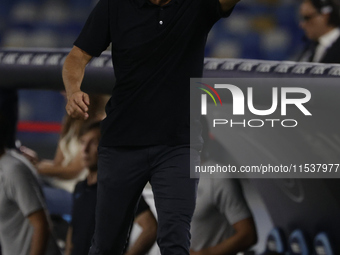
x: 204, y: 97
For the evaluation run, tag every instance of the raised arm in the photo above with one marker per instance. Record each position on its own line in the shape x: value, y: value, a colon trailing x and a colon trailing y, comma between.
x: 228, y: 4
x: 73, y: 74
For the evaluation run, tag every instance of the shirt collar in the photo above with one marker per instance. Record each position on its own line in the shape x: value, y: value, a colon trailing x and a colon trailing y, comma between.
x: 140, y: 3
x: 329, y: 38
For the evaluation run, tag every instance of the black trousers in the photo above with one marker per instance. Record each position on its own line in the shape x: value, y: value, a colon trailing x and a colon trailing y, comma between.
x: 122, y: 174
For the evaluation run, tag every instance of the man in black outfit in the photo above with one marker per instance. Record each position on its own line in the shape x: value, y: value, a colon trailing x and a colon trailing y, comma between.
x: 320, y: 19
x: 157, y: 46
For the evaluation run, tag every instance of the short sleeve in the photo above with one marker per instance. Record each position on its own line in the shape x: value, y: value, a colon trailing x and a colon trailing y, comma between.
x: 24, y: 189
x: 228, y: 198
x: 95, y: 35
x: 214, y: 11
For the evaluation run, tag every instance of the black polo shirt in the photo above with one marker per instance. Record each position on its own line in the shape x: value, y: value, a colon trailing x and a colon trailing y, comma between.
x: 155, y: 52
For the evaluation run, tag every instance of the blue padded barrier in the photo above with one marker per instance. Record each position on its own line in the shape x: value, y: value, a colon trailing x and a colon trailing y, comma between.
x: 34, y: 69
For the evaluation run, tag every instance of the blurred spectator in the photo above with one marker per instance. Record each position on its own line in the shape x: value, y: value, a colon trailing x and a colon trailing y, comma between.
x: 85, y: 195
x: 222, y: 223
x: 62, y: 173
x: 66, y: 168
x: 320, y: 20
x: 24, y: 224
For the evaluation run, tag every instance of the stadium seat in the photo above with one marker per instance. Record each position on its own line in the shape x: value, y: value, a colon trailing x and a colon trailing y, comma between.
x: 322, y: 245
x: 276, y: 242
x: 298, y: 244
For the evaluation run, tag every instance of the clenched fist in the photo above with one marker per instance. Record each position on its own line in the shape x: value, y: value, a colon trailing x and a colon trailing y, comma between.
x: 77, y: 105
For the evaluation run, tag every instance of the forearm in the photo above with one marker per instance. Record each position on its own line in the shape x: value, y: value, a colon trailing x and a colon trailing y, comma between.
x: 245, y: 236
x: 147, y: 238
x: 74, y: 69
x: 47, y: 168
x: 73, y: 74
x: 230, y: 246
x: 143, y: 244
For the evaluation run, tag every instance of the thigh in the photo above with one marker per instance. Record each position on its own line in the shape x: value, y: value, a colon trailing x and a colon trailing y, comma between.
x: 170, y: 177
x: 175, y: 197
x: 122, y: 175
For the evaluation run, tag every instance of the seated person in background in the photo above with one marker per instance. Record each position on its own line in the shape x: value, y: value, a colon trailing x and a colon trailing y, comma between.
x: 83, y: 216
x: 320, y: 20
x: 222, y: 223
x: 63, y: 172
x: 66, y: 168
x: 24, y: 224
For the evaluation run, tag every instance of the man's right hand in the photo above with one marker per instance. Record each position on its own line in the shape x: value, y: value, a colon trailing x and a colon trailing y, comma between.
x: 73, y: 74
x: 78, y: 105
